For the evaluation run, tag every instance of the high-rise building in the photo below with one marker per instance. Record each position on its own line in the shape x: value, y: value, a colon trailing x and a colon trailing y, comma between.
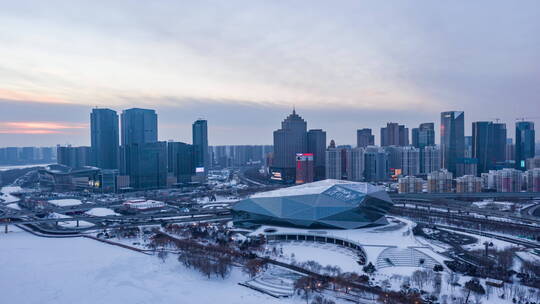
x: 431, y: 159
x: 424, y: 135
x: 104, y: 138
x: 28, y: 154
x: 468, y: 184
x: 333, y: 163
x: 74, y: 157
x: 488, y: 145
x: 439, y: 181
x: 525, y: 139
x: 316, y: 144
x: 452, y: 139
x: 139, y: 126
x: 180, y: 161
x: 304, y: 168
x: 510, y: 151
x: 376, y: 164
x: 533, y: 162
x: 499, y: 144
x: 394, y: 158
x: 364, y: 138
x: 290, y: 139
x: 394, y: 134
x: 410, y: 184
x: 410, y: 161
x: 533, y: 180
x: 508, y: 180
x: 356, y: 163
x: 468, y: 144
x: 146, y: 165
x: 200, y: 145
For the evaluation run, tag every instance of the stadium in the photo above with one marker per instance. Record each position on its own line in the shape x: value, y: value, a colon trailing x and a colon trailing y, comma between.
x: 332, y: 214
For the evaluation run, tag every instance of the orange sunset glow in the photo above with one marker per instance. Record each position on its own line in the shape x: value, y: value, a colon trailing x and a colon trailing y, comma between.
x: 38, y: 127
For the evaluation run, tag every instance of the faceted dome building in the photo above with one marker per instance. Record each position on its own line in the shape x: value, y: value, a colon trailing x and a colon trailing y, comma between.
x: 327, y: 204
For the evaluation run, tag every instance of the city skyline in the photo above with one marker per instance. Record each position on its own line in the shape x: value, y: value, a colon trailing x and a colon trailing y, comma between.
x: 344, y: 67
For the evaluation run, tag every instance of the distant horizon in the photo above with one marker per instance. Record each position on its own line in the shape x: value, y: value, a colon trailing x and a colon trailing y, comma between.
x: 510, y: 130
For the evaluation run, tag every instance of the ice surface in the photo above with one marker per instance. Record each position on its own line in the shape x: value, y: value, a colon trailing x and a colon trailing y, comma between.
x: 78, y: 270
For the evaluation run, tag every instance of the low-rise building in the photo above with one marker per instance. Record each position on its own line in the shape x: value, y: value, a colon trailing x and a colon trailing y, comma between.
x: 410, y: 184
x: 439, y: 181
x: 468, y: 184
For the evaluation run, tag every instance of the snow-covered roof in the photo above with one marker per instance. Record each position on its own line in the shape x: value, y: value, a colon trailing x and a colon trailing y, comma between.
x: 319, y: 187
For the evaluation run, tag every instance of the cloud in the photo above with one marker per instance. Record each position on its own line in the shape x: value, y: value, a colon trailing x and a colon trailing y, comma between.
x: 39, y: 127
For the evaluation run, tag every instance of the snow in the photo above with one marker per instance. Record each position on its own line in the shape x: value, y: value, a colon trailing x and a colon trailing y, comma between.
x: 65, y: 202
x: 7, y: 197
x: 101, y: 212
x: 79, y: 270
x: 500, y: 205
x: 324, y: 254
x: 398, y: 233
x: 498, y: 244
x: 14, y: 206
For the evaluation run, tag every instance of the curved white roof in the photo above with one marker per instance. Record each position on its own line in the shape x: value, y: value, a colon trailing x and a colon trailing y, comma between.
x: 319, y: 187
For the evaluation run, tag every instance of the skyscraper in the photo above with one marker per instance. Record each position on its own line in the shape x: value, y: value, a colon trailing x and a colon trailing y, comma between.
x: 139, y: 126
x: 452, y: 139
x: 525, y: 138
x: 424, y: 135
x: 74, y: 157
x: 410, y: 161
x: 488, y: 145
x: 200, y: 144
x: 333, y: 163
x: 304, y: 168
x: 290, y: 139
x: 431, y: 159
x: 355, y: 164
x: 104, y: 138
x: 375, y: 164
x: 364, y: 138
x: 180, y: 161
x: 394, y: 134
x: 146, y: 165
x: 316, y: 144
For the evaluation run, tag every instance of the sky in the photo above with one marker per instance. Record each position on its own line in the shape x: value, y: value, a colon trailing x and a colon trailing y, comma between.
x: 243, y: 65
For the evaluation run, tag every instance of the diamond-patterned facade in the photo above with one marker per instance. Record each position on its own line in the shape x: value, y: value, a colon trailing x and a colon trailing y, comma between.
x: 328, y: 204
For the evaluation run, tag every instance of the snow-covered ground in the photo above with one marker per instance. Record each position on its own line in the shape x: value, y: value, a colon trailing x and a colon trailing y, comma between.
x: 14, y: 206
x: 101, y: 212
x: 6, y: 196
x: 78, y: 270
x: 65, y: 202
x: 324, y: 254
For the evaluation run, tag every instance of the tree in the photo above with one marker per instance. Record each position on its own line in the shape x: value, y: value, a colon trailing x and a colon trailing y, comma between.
x: 162, y: 255
x: 369, y: 268
x: 307, y: 284
x: 473, y: 286
x: 438, y: 268
x: 253, y: 267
